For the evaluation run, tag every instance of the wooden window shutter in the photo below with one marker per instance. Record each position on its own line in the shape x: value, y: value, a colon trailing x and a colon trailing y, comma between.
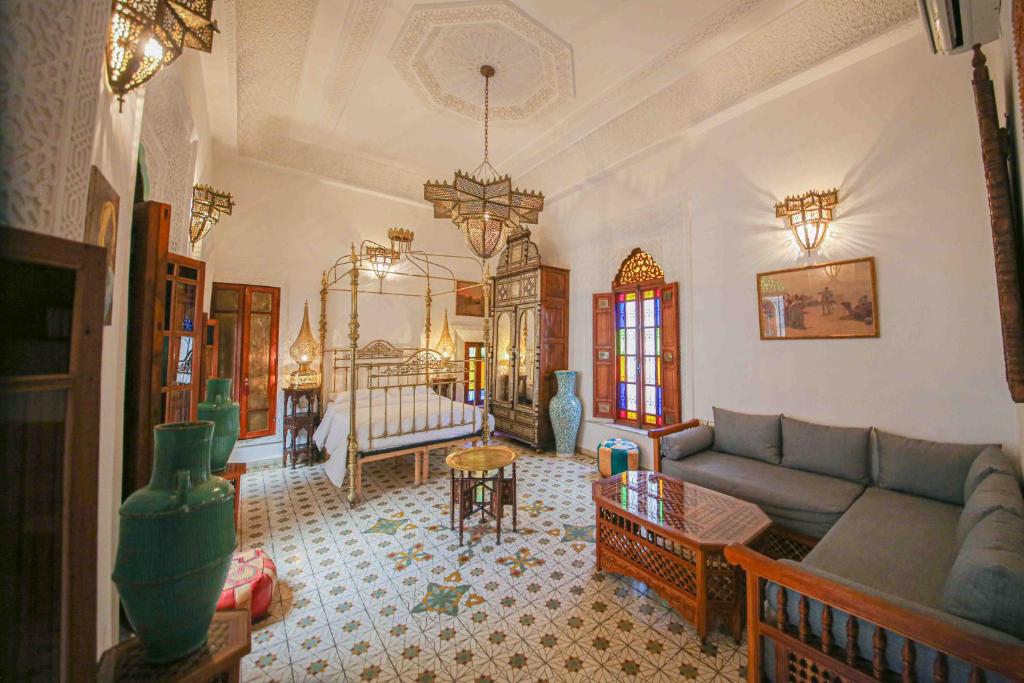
x: 604, y: 355
x: 670, y: 353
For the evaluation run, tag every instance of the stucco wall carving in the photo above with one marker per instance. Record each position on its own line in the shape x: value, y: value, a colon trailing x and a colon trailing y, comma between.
x: 50, y: 68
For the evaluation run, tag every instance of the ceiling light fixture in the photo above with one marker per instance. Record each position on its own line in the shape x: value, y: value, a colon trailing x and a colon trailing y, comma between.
x: 483, y: 204
x: 146, y: 35
x: 809, y: 216
x: 208, y: 205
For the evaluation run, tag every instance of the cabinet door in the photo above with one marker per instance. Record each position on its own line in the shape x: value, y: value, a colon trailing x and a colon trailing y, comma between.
x: 526, y: 357
x: 503, y: 355
x: 259, y: 361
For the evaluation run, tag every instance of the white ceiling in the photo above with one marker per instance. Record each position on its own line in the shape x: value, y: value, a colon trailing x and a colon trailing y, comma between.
x: 385, y: 94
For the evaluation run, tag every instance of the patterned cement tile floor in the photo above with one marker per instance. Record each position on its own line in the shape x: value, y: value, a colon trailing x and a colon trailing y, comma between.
x: 383, y: 592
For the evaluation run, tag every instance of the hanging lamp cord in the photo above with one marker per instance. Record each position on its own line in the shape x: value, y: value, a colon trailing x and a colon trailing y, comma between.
x: 487, y: 108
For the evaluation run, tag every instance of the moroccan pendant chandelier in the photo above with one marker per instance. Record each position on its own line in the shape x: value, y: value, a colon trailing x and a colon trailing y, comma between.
x: 483, y: 204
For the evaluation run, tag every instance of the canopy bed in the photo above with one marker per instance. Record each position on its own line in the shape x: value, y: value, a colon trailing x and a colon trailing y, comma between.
x: 382, y: 400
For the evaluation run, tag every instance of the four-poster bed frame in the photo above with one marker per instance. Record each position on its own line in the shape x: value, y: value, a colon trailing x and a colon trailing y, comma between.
x: 392, y: 374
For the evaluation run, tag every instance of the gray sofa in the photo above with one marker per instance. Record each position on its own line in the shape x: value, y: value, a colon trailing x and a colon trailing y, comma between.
x: 932, y: 527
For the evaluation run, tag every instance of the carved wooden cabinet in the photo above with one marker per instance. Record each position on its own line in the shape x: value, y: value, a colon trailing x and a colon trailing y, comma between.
x: 530, y: 324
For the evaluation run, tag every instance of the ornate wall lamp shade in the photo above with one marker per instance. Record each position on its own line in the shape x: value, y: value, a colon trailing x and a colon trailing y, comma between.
x: 303, y: 350
x: 381, y: 258
x: 809, y: 216
x: 445, y: 343
x: 207, y: 207
x: 145, y: 35
x: 483, y: 204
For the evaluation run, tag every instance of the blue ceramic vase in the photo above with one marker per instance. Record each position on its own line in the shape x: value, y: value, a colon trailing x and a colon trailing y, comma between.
x: 219, y: 409
x: 176, y: 541
x: 565, y: 411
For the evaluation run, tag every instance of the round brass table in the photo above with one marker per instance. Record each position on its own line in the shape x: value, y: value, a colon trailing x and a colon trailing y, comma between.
x: 474, y: 490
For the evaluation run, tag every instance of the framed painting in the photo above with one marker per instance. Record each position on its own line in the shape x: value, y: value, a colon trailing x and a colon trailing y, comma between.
x: 101, y: 230
x: 836, y: 300
x: 469, y: 298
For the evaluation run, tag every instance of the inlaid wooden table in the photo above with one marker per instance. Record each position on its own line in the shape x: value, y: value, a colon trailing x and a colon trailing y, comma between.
x: 670, y: 535
x: 474, y: 490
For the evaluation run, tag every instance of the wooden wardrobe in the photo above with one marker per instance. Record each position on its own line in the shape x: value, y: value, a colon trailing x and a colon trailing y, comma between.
x: 530, y: 324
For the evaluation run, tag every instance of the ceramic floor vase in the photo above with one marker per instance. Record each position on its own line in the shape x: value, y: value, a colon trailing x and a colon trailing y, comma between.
x: 565, y: 411
x: 219, y: 409
x: 176, y: 541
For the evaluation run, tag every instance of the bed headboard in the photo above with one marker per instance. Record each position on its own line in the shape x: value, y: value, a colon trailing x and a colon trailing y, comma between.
x: 380, y: 364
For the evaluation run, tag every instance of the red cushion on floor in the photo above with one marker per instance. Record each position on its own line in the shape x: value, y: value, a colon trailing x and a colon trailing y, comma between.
x: 250, y: 583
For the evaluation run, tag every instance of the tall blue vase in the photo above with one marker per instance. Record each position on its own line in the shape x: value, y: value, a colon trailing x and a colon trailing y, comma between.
x: 565, y: 411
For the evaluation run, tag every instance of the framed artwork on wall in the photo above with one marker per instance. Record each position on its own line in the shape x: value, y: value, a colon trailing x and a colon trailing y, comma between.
x: 101, y: 230
x: 469, y: 299
x: 836, y: 300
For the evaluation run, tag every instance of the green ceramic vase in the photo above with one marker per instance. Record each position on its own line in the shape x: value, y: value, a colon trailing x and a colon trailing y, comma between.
x: 219, y: 409
x: 176, y: 541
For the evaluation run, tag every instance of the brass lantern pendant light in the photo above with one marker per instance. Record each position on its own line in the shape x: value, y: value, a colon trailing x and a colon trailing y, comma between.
x: 483, y: 204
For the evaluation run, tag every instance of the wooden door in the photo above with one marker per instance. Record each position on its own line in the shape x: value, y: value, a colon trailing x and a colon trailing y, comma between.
x: 182, y: 339
x: 247, y: 321
x: 475, y: 385
x: 50, y: 355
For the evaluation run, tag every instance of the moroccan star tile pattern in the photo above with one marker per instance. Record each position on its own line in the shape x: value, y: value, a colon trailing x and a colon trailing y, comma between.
x: 384, y: 592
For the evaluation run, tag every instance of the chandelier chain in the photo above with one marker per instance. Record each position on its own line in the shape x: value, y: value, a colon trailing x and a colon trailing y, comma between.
x: 487, y: 107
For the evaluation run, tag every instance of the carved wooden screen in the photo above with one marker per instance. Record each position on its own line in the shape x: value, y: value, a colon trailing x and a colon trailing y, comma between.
x: 636, y: 346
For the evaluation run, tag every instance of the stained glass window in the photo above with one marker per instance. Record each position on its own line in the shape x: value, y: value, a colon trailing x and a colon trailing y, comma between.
x: 638, y: 347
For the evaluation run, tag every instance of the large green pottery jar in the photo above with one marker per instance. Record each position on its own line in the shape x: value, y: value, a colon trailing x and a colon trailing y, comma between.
x: 219, y: 409
x: 176, y: 541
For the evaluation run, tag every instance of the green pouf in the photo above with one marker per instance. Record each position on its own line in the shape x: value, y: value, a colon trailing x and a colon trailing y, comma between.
x: 219, y: 409
x: 176, y: 540
x: 617, y: 455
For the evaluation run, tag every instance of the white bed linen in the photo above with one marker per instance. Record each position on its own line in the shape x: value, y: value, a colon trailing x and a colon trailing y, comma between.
x: 332, y: 434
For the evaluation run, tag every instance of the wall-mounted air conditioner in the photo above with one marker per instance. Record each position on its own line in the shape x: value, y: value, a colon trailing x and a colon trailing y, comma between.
x: 957, y: 25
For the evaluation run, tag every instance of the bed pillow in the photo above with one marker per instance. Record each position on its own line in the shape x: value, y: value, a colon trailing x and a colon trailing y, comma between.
x: 835, y: 451
x: 925, y: 468
x: 751, y: 436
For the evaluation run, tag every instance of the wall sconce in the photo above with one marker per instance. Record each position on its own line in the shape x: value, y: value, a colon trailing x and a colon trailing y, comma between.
x: 146, y: 35
x: 380, y: 259
x: 207, y: 206
x: 401, y: 240
x: 445, y: 343
x: 303, y: 350
x: 809, y: 216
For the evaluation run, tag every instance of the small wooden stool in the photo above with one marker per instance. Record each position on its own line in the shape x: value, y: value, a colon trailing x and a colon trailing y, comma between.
x: 486, y: 494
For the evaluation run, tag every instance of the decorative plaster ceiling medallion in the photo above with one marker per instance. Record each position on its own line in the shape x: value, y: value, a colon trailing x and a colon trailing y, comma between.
x: 440, y: 49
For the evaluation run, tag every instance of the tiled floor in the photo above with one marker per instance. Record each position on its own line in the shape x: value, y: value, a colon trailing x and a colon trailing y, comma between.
x: 383, y: 592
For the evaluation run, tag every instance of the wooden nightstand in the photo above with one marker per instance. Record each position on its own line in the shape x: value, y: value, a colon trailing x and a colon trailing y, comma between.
x: 301, y: 417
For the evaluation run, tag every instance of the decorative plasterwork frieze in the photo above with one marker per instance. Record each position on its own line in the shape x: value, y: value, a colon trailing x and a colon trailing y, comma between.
x: 806, y: 36
x: 358, y: 31
x: 441, y: 47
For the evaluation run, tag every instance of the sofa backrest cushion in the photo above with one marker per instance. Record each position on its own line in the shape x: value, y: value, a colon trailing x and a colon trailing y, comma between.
x: 986, y: 583
x: 925, y: 468
x: 836, y: 451
x: 687, y: 442
x: 751, y: 436
x: 992, y: 459
x: 999, y: 491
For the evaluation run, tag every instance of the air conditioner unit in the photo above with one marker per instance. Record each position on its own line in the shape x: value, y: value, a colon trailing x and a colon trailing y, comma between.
x: 958, y: 25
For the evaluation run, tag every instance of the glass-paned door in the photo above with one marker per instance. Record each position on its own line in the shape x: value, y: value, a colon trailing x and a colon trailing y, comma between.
x: 503, y: 356
x: 526, y: 357
x: 476, y: 381
x: 182, y: 338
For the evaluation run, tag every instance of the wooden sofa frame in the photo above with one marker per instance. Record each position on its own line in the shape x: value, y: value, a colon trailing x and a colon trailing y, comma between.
x: 802, y: 655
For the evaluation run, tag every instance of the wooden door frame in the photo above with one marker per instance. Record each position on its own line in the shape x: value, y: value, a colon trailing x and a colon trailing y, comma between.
x: 236, y: 351
x: 79, y: 476
x: 275, y: 293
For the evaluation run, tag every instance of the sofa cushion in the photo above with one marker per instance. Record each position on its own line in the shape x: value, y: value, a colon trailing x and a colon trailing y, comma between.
x: 986, y: 583
x: 926, y: 468
x: 687, y: 442
x: 752, y: 436
x: 999, y: 491
x: 992, y: 459
x: 893, y: 542
x: 836, y: 451
x: 802, y: 501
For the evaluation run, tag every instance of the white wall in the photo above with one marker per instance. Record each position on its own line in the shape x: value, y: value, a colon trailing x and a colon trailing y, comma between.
x: 288, y: 227
x: 897, y: 134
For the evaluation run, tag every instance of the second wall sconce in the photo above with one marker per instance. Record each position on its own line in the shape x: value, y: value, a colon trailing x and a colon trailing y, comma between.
x: 808, y: 216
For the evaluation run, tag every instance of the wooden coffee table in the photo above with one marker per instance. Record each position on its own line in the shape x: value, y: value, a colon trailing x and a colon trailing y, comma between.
x: 670, y: 535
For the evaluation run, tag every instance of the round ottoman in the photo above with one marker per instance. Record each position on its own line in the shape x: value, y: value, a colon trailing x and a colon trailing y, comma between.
x: 250, y: 583
x: 617, y: 455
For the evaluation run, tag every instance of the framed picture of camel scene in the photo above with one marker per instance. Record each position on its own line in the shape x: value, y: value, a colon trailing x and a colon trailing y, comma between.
x: 835, y: 300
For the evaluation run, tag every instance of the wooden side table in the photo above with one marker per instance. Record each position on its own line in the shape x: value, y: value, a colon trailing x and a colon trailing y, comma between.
x: 220, y: 659
x: 474, y: 490
x: 234, y: 473
x: 301, y: 418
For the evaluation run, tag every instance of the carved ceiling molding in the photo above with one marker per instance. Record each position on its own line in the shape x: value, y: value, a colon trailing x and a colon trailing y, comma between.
x: 360, y: 26
x: 806, y: 36
x: 441, y: 47
x: 47, y: 114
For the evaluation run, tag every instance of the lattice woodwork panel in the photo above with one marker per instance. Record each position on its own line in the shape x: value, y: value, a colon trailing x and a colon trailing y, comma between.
x: 802, y: 670
x: 639, y: 266
x: 721, y: 579
x: 779, y: 547
x: 664, y: 559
